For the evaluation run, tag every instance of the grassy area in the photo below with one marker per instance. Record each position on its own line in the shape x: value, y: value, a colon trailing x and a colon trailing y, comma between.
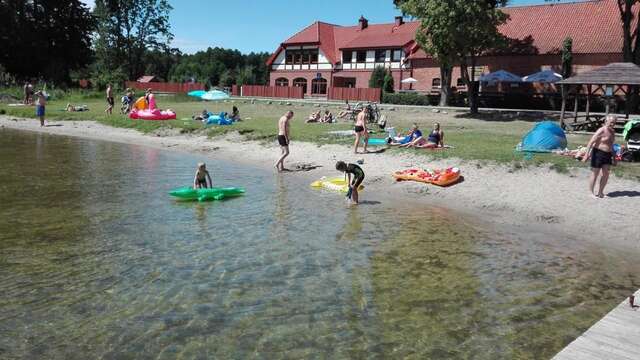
x: 487, y: 139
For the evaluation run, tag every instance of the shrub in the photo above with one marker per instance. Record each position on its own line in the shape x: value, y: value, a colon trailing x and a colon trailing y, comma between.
x: 407, y: 98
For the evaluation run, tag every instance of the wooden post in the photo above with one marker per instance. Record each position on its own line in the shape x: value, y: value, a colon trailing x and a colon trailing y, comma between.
x: 575, y: 104
x: 588, y: 101
x: 563, y: 92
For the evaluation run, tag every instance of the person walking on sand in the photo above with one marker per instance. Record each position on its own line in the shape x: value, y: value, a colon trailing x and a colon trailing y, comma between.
x: 283, y: 138
x: 110, y: 102
x: 600, y: 150
x: 360, y: 129
x: 41, y: 102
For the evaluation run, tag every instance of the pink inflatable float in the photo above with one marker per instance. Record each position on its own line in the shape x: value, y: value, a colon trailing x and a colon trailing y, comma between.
x: 152, y: 113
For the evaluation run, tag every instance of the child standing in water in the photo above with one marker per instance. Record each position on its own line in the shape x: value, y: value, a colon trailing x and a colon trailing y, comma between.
x: 202, y: 175
x: 41, y: 102
x: 358, y: 176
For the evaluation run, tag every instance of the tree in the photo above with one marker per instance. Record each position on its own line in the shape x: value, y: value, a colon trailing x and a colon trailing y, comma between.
x: 377, y: 77
x: 456, y: 32
x: 478, y: 33
x: 126, y: 30
x: 45, y: 38
x: 388, y: 82
x: 567, y: 57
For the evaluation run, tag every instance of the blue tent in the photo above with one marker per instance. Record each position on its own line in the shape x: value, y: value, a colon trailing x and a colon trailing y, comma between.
x: 544, y: 137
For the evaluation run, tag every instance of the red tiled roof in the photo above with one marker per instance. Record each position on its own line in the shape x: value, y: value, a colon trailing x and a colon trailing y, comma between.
x: 146, y: 78
x: 594, y: 26
x: 383, y: 35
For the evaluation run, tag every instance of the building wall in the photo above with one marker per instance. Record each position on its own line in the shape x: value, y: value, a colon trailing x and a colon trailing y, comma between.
x: 425, y: 70
x: 323, y: 62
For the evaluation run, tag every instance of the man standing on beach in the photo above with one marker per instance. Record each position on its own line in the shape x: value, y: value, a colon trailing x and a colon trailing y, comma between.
x: 110, y: 102
x: 283, y: 138
x: 600, y: 150
x: 360, y: 129
x: 41, y: 102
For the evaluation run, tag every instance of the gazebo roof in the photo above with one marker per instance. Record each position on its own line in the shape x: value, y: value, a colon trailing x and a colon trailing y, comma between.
x: 612, y: 74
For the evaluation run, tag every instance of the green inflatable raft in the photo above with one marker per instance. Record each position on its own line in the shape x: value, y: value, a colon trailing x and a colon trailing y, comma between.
x: 216, y: 193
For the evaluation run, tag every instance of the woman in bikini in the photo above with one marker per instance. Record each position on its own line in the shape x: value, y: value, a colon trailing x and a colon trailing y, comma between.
x: 360, y: 129
x: 434, y: 140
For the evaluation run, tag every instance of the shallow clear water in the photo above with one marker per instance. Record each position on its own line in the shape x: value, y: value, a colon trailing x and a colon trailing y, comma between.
x: 96, y: 261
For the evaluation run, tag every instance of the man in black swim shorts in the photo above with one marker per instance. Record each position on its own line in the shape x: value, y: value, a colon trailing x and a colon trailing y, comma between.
x: 360, y: 129
x: 600, y: 150
x: 283, y: 138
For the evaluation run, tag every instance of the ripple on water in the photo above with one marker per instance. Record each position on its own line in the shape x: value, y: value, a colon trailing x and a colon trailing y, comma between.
x: 97, y: 262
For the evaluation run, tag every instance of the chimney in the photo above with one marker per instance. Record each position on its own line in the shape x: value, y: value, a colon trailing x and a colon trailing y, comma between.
x: 363, y: 22
x: 399, y: 20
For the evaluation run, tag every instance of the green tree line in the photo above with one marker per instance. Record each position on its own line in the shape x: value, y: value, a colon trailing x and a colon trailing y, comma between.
x: 59, y: 41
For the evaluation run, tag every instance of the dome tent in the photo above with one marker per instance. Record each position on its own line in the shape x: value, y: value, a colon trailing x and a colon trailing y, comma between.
x: 544, y: 137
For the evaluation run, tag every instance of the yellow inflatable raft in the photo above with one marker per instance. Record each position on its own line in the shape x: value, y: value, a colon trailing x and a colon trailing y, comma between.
x: 335, y: 184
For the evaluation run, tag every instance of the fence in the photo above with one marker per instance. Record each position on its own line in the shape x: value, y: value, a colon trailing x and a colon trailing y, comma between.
x: 165, y: 87
x: 358, y: 94
x: 294, y: 92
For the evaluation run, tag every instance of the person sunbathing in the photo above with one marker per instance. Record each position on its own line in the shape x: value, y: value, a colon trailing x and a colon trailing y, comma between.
x: 314, y: 117
x: 327, y: 117
x: 347, y: 111
x: 72, y: 108
x: 434, y: 140
x: 413, y: 134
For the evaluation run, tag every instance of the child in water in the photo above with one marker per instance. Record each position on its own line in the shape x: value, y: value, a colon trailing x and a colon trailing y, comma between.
x: 202, y: 175
x: 358, y: 176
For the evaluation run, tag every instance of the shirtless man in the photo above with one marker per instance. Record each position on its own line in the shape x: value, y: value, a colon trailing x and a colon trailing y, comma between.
x: 360, y: 129
x: 283, y: 138
x: 110, y: 102
x: 600, y: 150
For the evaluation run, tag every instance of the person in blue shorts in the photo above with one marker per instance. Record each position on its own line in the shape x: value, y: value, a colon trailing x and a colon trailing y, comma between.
x: 41, y: 102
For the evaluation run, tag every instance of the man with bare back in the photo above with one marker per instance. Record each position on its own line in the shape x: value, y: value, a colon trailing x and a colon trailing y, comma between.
x: 283, y: 138
x: 360, y: 129
x: 600, y: 150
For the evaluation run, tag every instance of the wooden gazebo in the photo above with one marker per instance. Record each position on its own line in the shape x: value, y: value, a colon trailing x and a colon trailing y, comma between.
x: 608, y: 80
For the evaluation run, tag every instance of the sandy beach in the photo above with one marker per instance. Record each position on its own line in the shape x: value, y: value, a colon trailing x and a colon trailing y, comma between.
x: 536, y: 197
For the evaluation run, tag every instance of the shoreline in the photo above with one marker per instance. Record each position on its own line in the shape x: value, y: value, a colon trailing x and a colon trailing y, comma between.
x: 528, y: 198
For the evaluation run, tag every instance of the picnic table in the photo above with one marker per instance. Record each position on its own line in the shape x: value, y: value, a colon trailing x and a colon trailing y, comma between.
x: 593, y: 123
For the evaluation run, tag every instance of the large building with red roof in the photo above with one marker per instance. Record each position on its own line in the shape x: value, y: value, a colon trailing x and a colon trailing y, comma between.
x: 324, y: 55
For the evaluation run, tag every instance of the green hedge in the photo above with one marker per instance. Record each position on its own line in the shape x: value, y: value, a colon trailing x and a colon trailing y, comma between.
x: 408, y: 99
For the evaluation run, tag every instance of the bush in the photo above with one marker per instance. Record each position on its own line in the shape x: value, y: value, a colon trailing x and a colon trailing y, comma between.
x: 408, y: 98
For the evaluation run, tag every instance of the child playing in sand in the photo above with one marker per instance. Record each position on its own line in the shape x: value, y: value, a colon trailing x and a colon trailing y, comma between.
x: 41, y: 102
x: 358, y: 176
x: 202, y: 175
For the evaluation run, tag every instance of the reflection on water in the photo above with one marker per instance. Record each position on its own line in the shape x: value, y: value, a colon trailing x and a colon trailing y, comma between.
x: 97, y: 262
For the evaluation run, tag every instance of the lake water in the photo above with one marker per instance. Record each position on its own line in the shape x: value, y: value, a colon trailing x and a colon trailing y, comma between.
x: 97, y: 261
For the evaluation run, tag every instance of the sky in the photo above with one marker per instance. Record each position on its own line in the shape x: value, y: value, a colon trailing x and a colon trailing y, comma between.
x: 261, y: 25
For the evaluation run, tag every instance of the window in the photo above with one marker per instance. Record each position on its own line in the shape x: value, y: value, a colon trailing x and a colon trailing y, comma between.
x: 361, y: 56
x: 396, y: 55
x: 381, y: 56
x: 313, y: 56
x: 435, y: 83
x: 298, y: 57
x: 319, y: 86
x: 282, y: 82
x: 302, y: 82
x: 346, y: 57
x: 460, y: 82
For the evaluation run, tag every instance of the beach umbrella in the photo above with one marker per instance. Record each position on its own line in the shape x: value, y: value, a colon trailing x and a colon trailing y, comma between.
x: 545, y: 76
x: 409, y: 80
x: 501, y: 76
x: 215, y: 95
x: 196, y: 93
